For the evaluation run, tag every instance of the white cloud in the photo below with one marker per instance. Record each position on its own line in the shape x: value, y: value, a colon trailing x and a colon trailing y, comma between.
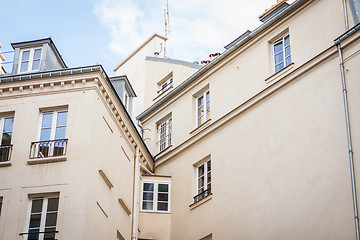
x: 197, y: 28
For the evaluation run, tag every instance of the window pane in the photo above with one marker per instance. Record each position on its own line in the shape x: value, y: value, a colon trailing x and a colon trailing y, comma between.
x: 209, y: 166
x: 60, y: 133
x: 279, y: 57
x: 201, y: 182
x: 287, y: 40
x: 148, y: 196
x: 163, y: 197
x: 288, y: 60
x: 201, y: 170
x: 162, y: 206
x: 37, y: 54
x: 53, y: 204
x: 35, y: 220
x: 148, y: 187
x: 36, y: 205
x: 200, y: 101
x: 47, y: 120
x: 163, y: 188
x: 34, y: 235
x: 51, y: 219
x: 24, y: 66
x: 36, y: 65
x: 45, y: 134
x: 6, y: 139
x: 147, y: 206
x: 61, y: 119
x: 50, y: 234
x: 287, y: 51
x: 279, y: 67
x: 8, y: 124
x: 25, y: 56
x: 278, y: 47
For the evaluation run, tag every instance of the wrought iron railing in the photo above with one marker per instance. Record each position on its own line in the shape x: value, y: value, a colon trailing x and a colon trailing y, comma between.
x: 202, y: 195
x: 50, y: 148
x: 5, y: 153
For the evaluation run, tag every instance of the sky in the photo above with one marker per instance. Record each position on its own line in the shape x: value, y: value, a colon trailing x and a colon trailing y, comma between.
x: 88, y: 32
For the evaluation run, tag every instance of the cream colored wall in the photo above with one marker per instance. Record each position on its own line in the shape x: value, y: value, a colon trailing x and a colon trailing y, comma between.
x: 157, y: 71
x: 134, y: 69
x: 92, y: 146
x: 279, y: 169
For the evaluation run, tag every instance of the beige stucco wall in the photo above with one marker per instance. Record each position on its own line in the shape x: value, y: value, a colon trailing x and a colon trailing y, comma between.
x: 93, y: 144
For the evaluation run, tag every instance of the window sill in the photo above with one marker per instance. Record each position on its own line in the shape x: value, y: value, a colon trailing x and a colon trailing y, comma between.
x: 201, y: 202
x: 46, y: 160
x: 5, y: 164
x: 162, y: 93
x: 151, y: 211
x: 198, y: 128
x: 279, y: 74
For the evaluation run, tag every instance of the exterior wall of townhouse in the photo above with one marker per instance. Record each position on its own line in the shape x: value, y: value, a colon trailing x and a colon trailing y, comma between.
x: 89, y: 206
x: 159, y: 70
x: 279, y: 164
x: 277, y: 142
x: 133, y: 65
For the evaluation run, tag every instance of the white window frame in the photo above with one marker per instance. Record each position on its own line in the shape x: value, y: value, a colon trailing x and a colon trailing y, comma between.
x: 206, y: 173
x: 164, y: 130
x: 155, y: 195
x: 206, y: 112
x: 43, y: 213
x: 2, y: 125
x: 31, y: 59
x: 126, y: 100
x: 52, y: 131
x: 281, y: 40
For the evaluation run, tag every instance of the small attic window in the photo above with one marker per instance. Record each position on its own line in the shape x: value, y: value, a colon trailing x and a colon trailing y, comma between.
x: 30, y: 59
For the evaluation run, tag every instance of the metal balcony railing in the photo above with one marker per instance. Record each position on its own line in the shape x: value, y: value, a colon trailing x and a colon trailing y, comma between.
x: 50, y: 148
x: 202, y: 195
x: 5, y: 153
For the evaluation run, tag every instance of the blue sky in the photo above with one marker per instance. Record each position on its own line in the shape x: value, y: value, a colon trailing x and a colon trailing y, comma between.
x: 89, y: 32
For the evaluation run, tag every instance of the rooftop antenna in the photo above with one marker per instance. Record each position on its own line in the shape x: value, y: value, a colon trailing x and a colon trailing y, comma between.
x: 167, y: 23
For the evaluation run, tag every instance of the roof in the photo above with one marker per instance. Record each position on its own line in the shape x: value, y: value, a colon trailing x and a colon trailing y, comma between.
x: 139, y: 48
x: 174, y: 61
x: 127, y: 83
x: 283, y: 13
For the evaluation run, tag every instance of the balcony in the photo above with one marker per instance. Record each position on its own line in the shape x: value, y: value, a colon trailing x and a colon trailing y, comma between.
x: 5, y: 153
x: 46, y: 149
x: 202, y: 195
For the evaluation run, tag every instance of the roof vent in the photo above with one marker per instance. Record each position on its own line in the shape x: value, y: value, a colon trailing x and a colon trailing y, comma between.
x: 274, y: 10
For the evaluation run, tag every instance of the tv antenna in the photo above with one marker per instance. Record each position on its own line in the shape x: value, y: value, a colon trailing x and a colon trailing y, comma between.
x: 167, y: 24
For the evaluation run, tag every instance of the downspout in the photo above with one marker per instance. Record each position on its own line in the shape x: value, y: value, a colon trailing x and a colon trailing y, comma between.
x: 348, y: 133
x: 345, y: 16
x: 136, y: 202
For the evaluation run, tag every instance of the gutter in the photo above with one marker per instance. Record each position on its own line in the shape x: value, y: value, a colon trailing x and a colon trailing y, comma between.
x: 202, y: 71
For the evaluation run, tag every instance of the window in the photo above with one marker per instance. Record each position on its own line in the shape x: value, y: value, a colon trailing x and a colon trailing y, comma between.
x: 30, y: 60
x: 1, y: 201
x: 203, y: 108
x: 42, y: 219
x: 6, y: 128
x: 203, y: 175
x: 282, y: 54
x: 52, y: 135
x: 164, y: 133
x: 166, y: 85
x: 155, y: 196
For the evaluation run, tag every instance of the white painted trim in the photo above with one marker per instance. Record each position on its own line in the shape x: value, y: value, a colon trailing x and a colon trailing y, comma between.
x: 155, y: 195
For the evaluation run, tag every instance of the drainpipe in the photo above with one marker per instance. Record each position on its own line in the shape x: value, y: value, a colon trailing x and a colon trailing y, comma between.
x: 345, y: 15
x: 348, y: 133
x: 136, y: 202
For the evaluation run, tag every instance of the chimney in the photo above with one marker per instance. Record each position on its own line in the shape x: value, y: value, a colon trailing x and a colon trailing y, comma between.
x: 274, y: 10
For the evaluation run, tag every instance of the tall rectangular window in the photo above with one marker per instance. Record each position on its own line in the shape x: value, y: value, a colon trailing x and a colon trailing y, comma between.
x: 52, y: 135
x: 155, y: 196
x: 164, y: 134
x: 282, y: 53
x: 203, y: 174
x: 6, y: 128
x: 203, y: 107
x: 43, y: 217
x: 30, y: 60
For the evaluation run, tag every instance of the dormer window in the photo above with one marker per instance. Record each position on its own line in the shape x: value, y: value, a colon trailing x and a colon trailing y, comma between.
x: 30, y: 60
x: 165, y: 84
